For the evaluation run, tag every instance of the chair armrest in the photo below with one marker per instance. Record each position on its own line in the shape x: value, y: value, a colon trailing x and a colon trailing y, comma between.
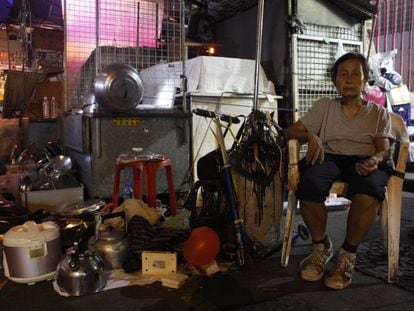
x: 293, y: 168
x: 401, y: 165
x: 400, y: 131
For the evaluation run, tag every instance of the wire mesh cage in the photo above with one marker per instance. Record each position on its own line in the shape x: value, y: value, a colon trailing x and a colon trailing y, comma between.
x: 139, y: 33
x: 314, y: 53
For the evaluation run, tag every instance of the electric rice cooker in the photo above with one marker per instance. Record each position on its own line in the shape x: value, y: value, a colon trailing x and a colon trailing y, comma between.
x: 31, y: 252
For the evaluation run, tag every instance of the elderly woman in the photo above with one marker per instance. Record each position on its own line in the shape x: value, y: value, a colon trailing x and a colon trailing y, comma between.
x: 348, y: 139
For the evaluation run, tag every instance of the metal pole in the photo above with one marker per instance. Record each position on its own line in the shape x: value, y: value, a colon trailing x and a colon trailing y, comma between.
x: 98, y: 151
x: 65, y: 51
x: 373, y: 28
x: 386, y: 26
x: 259, y: 32
x: 183, y: 55
x: 402, y: 35
x: 97, y: 49
x: 394, y: 18
x: 410, y: 44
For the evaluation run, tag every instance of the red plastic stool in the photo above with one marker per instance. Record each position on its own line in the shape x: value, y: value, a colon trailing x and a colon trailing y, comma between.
x: 137, y: 169
x: 150, y: 169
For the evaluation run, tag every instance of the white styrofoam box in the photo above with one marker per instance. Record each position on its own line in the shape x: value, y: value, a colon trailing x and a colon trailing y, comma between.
x: 51, y: 200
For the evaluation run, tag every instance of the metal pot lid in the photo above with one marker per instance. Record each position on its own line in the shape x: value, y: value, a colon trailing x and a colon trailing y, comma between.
x: 30, y: 232
x: 68, y: 224
x: 90, y: 206
x: 110, y: 234
x: 118, y: 88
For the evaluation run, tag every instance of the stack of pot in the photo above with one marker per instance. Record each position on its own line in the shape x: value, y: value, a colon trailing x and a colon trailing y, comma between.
x: 80, y: 222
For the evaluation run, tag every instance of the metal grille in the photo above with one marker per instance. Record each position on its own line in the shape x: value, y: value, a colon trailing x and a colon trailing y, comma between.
x: 313, y: 56
x: 342, y: 33
x: 101, y: 32
x: 224, y: 9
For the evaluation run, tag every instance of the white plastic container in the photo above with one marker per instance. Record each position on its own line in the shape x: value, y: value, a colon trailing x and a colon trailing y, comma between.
x: 31, y: 252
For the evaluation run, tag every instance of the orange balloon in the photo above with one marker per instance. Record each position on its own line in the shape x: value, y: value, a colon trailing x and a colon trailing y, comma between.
x: 202, y: 246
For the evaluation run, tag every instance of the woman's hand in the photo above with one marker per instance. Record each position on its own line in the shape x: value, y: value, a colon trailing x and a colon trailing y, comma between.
x: 315, y: 150
x: 367, y: 167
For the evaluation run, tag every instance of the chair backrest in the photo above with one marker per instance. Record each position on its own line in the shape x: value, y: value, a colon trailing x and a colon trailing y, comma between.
x: 398, y: 127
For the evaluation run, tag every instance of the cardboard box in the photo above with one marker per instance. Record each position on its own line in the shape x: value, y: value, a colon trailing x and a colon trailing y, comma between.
x: 398, y: 95
x: 174, y: 280
x: 51, y: 200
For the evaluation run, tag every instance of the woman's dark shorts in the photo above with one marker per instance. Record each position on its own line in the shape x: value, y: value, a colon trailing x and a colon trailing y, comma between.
x: 316, y: 180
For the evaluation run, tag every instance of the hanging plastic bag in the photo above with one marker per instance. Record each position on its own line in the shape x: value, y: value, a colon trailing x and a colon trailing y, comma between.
x: 340, y: 50
x: 375, y: 95
x: 381, y: 60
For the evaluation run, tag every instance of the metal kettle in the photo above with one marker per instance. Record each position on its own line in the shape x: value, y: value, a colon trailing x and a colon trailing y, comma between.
x: 111, y: 244
x: 80, y: 273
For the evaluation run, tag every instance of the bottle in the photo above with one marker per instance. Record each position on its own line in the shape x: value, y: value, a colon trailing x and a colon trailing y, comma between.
x: 45, y: 108
x: 53, y: 108
x: 127, y: 193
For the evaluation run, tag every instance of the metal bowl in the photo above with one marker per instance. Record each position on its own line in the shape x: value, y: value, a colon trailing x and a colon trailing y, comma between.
x: 118, y: 88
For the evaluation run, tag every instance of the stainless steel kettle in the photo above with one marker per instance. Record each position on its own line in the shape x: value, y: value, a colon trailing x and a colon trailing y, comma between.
x: 80, y: 273
x: 111, y: 244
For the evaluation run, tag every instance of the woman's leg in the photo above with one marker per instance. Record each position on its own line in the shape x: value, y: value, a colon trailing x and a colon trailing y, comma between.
x: 361, y: 217
x: 315, y: 217
x: 313, y: 188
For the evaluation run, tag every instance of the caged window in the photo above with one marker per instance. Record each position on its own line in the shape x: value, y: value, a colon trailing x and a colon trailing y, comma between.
x: 139, y: 33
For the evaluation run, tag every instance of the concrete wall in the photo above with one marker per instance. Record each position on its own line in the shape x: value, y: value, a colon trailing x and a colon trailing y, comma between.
x: 238, y: 36
x: 322, y: 13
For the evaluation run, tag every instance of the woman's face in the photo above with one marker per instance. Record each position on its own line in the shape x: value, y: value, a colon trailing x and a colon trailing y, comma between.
x: 350, y: 80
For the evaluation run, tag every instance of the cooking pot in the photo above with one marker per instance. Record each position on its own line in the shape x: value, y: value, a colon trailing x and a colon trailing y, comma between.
x: 118, y: 88
x: 31, y: 252
x: 71, y: 231
x: 80, y: 273
x: 111, y: 244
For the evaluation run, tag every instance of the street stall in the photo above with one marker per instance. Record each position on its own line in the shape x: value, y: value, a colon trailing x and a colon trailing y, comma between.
x: 128, y: 185
x: 127, y: 100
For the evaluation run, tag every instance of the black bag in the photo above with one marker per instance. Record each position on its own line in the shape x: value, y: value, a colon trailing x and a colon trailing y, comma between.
x: 209, y: 166
x: 201, y: 28
x: 213, y: 212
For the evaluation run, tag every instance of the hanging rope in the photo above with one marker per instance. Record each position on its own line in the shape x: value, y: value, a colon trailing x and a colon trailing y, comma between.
x: 258, y: 155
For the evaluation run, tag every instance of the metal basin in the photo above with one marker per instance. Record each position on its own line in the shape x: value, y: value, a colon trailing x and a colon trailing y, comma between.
x: 118, y: 88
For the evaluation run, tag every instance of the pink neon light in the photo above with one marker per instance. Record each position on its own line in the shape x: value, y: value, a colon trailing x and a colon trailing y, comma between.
x: 122, y: 23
